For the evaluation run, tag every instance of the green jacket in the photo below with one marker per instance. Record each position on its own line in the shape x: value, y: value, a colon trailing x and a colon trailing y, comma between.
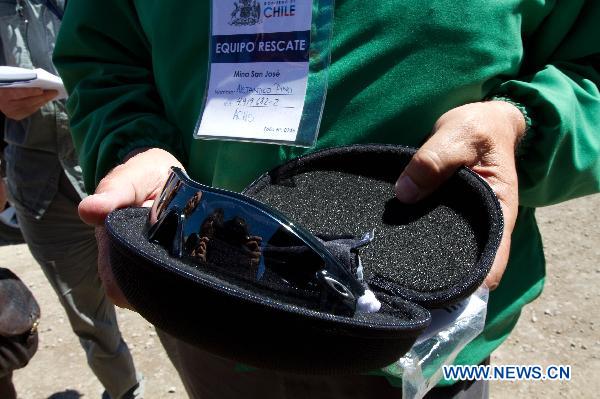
x: 40, y: 146
x: 397, y: 65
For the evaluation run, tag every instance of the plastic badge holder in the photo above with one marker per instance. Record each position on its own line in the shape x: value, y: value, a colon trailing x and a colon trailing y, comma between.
x: 240, y: 106
x: 424, y: 256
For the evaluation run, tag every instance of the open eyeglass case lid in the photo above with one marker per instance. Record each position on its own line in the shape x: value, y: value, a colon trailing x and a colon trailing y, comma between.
x: 423, y: 256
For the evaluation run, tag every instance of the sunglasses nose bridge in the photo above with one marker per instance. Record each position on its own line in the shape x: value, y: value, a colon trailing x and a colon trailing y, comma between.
x: 331, y: 286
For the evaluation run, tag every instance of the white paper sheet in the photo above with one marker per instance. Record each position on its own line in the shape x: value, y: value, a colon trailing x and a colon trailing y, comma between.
x: 12, y: 77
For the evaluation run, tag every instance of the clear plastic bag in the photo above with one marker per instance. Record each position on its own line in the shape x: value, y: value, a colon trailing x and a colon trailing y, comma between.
x: 451, y: 329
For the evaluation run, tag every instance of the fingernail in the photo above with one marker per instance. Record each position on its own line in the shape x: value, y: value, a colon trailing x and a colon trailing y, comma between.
x: 406, y: 189
x: 94, y: 197
x: 492, y: 286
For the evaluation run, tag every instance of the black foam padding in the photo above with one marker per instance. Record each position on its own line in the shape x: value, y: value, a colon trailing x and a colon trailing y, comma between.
x: 424, y: 248
x: 435, y: 252
x: 231, y: 320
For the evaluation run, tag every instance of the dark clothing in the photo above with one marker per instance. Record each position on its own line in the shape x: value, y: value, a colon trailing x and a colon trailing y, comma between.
x: 199, y: 370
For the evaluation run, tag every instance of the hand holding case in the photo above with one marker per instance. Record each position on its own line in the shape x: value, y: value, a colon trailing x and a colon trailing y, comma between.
x: 426, y: 255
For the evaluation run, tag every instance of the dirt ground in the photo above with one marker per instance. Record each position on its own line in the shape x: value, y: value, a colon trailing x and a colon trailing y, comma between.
x: 561, y: 327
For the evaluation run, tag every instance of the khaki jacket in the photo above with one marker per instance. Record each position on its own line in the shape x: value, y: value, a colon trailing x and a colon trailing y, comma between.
x: 40, y: 147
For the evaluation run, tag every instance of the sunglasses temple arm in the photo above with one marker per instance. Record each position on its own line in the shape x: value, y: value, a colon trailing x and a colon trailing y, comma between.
x: 168, y: 231
x: 177, y: 245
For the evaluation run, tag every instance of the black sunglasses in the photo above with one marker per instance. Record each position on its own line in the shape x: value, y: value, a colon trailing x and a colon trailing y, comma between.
x: 237, y: 235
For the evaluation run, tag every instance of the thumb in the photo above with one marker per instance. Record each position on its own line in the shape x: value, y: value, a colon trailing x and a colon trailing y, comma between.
x: 108, y: 197
x: 131, y: 184
x: 431, y: 165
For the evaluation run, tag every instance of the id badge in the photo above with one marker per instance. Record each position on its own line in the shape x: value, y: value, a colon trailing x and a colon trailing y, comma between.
x: 267, y: 77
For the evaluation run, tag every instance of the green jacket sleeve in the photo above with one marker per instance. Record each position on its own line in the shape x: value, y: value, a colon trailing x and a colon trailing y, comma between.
x: 559, y: 158
x: 105, y: 62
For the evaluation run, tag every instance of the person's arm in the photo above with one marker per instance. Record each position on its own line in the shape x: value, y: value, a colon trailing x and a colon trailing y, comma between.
x: 105, y: 62
x: 125, y: 143
x: 559, y: 158
x: 17, y: 104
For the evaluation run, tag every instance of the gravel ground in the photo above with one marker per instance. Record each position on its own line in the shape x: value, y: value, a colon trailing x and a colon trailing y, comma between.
x: 561, y: 327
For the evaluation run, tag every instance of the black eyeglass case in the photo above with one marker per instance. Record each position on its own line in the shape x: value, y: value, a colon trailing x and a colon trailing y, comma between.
x: 424, y: 256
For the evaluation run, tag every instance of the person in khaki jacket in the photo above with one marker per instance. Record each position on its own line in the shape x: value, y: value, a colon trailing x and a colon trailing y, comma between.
x: 44, y: 184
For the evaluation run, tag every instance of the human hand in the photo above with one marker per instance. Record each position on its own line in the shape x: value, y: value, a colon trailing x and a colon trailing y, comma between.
x: 19, y: 103
x: 482, y: 136
x: 136, y: 182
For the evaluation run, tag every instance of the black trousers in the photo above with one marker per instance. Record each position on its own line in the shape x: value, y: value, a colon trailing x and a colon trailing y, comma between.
x: 206, y: 376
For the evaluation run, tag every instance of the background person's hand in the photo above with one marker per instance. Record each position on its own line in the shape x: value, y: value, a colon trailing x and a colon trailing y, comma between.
x: 482, y: 136
x: 136, y: 182
x: 19, y: 103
